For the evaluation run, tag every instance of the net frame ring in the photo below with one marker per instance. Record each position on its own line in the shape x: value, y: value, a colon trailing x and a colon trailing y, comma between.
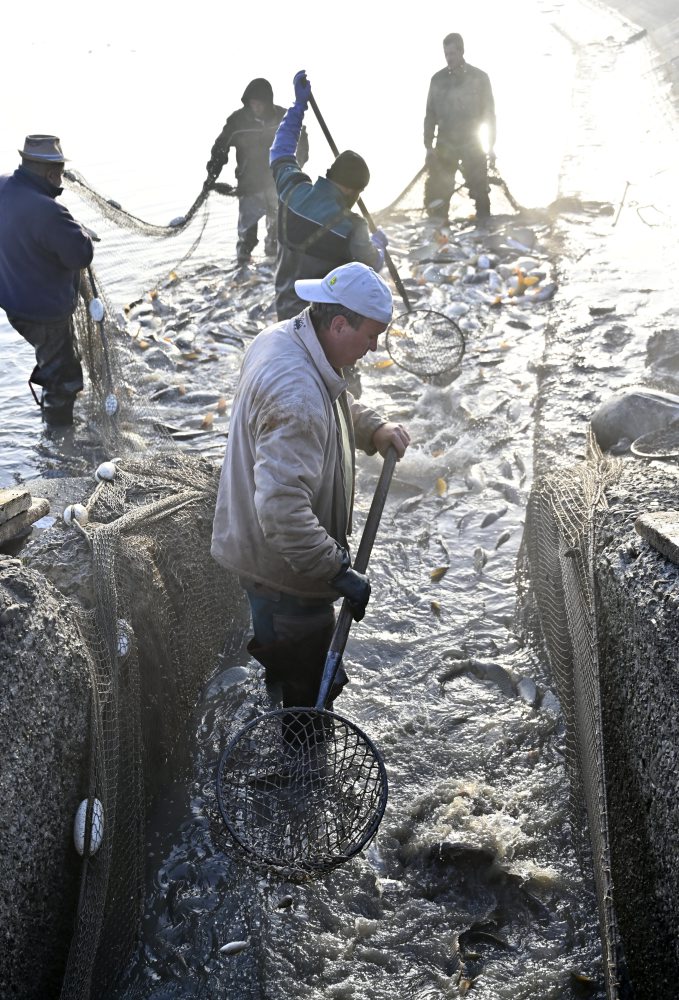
x: 414, y: 346
x: 661, y: 443
x: 304, y: 866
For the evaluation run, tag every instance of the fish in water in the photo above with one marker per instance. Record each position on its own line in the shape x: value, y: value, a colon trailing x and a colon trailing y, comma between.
x: 234, y: 947
x: 493, y: 516
x: 504, y: 537
x: 480, y: 558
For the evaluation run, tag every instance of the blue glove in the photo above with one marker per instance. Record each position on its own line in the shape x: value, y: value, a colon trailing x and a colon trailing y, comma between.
x: 354, y: 586
x: 302, y: 89
x: 379, y: 240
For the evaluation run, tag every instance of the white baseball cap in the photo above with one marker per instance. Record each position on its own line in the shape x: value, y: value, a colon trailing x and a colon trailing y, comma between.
x: 354, y: 286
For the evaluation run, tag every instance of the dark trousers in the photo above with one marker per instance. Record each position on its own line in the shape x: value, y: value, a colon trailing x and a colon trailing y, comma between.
x: 252, y: 208
x: 292, y: 636
x: 471, y: 161
x: 58, y: 369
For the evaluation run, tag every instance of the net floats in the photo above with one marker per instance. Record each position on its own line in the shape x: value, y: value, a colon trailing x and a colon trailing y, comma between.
x: 96, y: 310
x: 124, y: 638
x: 76, y: 512
x: 96, y: 832
x: 105, y: 472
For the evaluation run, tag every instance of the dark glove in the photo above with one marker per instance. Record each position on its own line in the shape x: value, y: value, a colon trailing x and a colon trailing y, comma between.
x: 430, y: 158
x: 354, y: 586
x: 302, y: 89
x: 491, y: 160
x: 379, y: 240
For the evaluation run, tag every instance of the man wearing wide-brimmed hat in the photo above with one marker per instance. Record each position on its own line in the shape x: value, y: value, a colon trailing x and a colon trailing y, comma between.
x: 42, y: 250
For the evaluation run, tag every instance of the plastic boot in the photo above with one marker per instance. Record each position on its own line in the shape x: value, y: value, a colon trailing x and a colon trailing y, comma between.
x: 483, y: 208
x: 57, y: 411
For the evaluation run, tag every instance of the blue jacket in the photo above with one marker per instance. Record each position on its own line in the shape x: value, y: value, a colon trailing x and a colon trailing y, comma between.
x: 316, y: 229
x: 42, y: 250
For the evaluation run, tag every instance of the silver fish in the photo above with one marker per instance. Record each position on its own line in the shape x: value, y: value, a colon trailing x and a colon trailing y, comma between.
x: 234, y: 947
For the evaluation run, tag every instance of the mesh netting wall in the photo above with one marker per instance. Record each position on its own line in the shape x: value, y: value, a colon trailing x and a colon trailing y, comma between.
x: 160, y: 617
x: 162, y: 609
x: 558, y: 599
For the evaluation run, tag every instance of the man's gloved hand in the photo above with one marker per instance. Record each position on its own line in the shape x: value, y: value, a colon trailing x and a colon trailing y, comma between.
x: 302, y: 88
x: 354, y: 586
x: 379, y: 240
x: 430, y: 158
x: 491, y: 159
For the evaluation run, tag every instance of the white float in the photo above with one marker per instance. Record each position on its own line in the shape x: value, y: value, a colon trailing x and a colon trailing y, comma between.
x: 105, y: 472
x: 111, y: 404
x: 76, y: 512
x: 97, y: 310
x: 97, y: 831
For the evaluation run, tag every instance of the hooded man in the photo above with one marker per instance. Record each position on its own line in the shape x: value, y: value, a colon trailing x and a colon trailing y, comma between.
x: 251, y: 130
x: 42, y: 251
x: 285, y: 498
x: 317, y: 231
x: 459, y: 103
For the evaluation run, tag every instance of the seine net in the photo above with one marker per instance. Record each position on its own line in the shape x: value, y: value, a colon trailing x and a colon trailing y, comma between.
x: 558, y: 604
x: 161, y: 610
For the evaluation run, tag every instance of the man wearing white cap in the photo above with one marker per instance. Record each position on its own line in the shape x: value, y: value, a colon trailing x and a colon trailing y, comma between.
x: 285, y: 496
x: 42, y: 250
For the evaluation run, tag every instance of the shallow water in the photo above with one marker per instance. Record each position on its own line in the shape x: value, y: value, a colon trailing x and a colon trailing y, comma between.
x: 473, y: 876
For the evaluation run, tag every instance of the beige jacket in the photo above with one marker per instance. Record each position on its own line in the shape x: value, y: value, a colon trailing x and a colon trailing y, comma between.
x: 281, y: 509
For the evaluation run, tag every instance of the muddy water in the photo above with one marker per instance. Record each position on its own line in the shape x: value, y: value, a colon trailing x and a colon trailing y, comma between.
x: 472, y: 881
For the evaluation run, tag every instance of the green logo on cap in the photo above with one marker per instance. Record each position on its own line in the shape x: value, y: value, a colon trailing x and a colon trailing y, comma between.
x: 333, y: 280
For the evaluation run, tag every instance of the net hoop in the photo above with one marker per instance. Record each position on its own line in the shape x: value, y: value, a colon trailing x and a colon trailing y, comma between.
x: 305, y: 807
x: 657, y: 444
x: 425, y: 342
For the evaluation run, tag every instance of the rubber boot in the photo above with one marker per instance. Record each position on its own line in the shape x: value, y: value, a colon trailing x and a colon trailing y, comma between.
x: 297, y: 665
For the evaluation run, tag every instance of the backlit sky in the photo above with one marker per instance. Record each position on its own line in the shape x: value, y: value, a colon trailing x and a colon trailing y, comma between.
x: 139, y: 91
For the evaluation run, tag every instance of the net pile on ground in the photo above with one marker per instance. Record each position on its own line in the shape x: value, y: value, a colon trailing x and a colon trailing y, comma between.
x: 558, y: 598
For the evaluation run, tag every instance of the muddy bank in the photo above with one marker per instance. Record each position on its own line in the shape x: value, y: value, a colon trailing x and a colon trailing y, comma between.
x: 638, y: 602
x: 45, y: 702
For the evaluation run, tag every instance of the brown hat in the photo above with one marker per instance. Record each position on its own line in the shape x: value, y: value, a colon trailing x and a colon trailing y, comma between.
x: 350, y: 170
x: 43, y: 149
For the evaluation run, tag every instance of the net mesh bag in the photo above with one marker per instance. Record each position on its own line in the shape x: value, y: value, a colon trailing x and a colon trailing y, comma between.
x: 161, y: 606
x: 559, y: 609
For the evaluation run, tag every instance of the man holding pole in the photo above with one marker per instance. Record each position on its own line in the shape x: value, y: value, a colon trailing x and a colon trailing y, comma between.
x: 285, y: 499
x: 317, y: 231
x: 459, y: 103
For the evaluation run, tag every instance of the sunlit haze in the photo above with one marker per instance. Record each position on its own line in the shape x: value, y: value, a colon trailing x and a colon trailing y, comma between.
x: 138, y: 92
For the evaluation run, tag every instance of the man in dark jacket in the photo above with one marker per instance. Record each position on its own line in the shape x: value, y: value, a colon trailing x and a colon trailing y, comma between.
x: 459, y: 102
x: 251, y: 130
x: 42, y: 251
x: 317, y: 231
